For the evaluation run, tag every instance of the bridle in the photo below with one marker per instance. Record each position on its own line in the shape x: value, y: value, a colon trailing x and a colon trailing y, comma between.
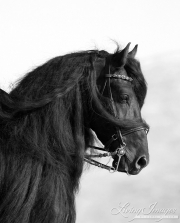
x: 120, y: 151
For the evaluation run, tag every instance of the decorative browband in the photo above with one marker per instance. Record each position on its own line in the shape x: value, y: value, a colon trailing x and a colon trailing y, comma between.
x: 120, y: 76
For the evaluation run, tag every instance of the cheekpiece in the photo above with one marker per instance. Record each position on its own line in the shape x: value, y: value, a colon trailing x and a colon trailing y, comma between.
x: 119, y: 76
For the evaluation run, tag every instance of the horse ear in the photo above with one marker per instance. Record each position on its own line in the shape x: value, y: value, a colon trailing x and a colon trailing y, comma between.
x: 133, y: 52
x: 119, y: 58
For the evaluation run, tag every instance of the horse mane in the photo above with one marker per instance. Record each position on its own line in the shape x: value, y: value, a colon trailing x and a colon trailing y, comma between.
x: 44, y: 134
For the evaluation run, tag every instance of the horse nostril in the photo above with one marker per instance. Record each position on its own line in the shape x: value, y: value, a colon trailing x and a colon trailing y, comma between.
x: 141, y: 162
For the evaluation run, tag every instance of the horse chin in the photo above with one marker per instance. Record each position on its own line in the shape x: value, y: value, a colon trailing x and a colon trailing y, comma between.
x: 134, y: 172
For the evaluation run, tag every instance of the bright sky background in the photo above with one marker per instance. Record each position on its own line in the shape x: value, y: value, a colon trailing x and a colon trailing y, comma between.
x: 34, y: 31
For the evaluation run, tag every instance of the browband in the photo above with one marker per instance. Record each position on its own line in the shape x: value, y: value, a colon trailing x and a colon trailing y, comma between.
x: 120, y: 76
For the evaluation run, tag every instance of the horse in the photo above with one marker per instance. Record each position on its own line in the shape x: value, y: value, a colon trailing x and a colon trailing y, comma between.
x: 47, y: 122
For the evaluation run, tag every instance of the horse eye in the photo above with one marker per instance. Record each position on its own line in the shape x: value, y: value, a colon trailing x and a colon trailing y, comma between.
x: 124, y: 98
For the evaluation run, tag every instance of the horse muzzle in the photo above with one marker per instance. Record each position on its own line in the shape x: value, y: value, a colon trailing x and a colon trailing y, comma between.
x: 133, y: 168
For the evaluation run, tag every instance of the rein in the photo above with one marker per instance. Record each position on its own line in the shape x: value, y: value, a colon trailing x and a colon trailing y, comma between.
x: 120, y: 151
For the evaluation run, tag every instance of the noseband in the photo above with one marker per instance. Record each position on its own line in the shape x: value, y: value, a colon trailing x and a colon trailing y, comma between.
x: 120, y: 151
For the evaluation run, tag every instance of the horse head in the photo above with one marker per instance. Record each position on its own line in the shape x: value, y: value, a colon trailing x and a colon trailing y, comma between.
x: 118, y: 123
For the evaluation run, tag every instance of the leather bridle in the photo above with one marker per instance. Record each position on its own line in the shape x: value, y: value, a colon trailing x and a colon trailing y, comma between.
x: 120, y: 151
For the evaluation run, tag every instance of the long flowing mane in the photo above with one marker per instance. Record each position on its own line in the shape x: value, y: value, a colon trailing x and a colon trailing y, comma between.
x: 44, y: 134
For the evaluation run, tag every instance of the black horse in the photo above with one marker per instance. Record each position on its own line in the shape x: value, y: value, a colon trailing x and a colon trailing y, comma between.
x: 46, y: 125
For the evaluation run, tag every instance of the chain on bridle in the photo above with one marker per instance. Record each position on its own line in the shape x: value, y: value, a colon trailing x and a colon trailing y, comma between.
x: 120, y: 151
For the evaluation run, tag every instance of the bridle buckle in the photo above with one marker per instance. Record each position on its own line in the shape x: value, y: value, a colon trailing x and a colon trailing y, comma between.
x: 114, y: 137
